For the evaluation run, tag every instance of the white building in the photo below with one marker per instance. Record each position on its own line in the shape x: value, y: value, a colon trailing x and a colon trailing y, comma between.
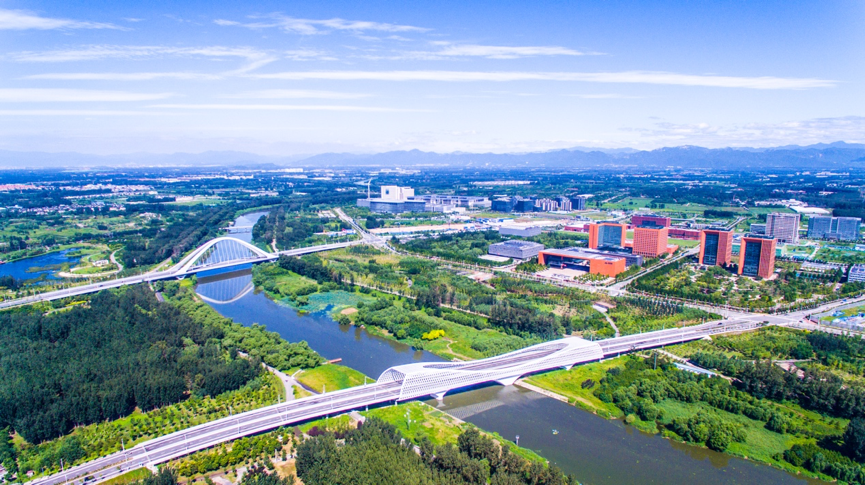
x: 857, y: 273
x: 783, y: 227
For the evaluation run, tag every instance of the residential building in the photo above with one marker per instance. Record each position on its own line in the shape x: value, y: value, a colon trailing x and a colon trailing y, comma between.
x: 757, y: 256
x: 716, y: 247
x: 650, y: 241
x: 783, y: 227
x: 644, y: 219
x: 516, y: 249
x: 607, y: 234
x: 856, y: 273
x: 527, y: 231
x: 840, y: 228
x: 546, y: 205
x: 564, y: 203
x: 583, y: 261
x: 578, y: 203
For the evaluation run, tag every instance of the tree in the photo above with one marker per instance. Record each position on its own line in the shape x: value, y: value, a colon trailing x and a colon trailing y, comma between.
x: 258, y: 476
x: 854, y: 439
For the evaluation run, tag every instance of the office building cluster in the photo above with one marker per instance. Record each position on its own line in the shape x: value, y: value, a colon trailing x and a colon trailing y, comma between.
x: 395, y: 200
x: 756, y: 252
x: 528, y: 204
x: 835, y: 228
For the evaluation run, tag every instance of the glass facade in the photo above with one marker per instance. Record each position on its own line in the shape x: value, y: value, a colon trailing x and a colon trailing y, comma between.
x: 610, y: 236
x: 710, y: 254
x: 751, y: 266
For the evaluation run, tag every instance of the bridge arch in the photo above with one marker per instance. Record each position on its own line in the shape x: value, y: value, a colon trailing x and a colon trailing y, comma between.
x: 220, y: 250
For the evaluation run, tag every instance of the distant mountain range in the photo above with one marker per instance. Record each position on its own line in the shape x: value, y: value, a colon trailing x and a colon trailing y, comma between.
x: 822, y: 156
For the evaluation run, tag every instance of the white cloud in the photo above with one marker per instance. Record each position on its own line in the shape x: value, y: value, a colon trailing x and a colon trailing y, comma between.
x: 23, y: 20
x: 500, y: 51
x: 32, y: 95
x: 309, y: 26
x: 297, y: 94
x: 99, y: 52
x: 280, y: 107
x: 633, y: 77
x: 603, y: 96
x: 74, y: 112
x: 805, y: 132
x: 124, y: 76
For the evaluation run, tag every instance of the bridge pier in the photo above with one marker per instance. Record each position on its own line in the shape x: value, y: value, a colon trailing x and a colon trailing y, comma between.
x: 440, y: 396
x: 508, y: 381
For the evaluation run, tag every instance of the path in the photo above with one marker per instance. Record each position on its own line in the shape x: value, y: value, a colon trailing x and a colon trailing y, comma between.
x: 610, y: 320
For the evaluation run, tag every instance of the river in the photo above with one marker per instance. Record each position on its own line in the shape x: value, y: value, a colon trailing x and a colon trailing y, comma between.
x: 595, y: 450
x: 43, y: 267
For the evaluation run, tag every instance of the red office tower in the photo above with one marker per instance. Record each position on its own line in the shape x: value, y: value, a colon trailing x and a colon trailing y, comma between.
x: 650, y: 241
x: 716, y: 247
x: 604, y: 234
x: 757, y: 256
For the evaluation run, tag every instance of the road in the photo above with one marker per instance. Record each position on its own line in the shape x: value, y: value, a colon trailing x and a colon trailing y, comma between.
x: 398, y: 383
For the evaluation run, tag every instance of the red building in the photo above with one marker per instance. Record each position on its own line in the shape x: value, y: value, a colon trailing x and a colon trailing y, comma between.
x: 650, y: 219
x: 757, y: 256
x: 716, y: 247
x: 682, y: 233
x: 604, y: 234
x: 650, y: 241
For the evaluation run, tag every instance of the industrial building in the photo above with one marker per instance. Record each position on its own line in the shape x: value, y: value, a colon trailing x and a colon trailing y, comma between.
x: 757, y: 256
x: 467, y: 201
x: 647, y: 219
x: 607, y: 234
x: 527, y: 231
x: 650, y: 241
x: 583, y: 261
x: 516, y: 249
x: 783, y: 227
x: 856, y: 273
x: 716, y: 247
x: 839, y: 228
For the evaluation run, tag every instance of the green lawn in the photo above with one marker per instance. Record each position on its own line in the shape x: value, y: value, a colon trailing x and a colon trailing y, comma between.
x: 569, y: 384
x: 331, y: 377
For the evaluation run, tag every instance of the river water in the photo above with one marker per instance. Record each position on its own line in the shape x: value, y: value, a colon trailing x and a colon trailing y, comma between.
x: 44, y: 267
x: 595, y: 450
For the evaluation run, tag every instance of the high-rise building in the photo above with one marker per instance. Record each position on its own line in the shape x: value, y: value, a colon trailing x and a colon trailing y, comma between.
x: 545, y: 205
x: 716, y: 247
x: 856, y: 273
x: 564, y: 203
x: 783, y: 227
x: 841, y: 228
x: 503, y: 205
x: 578, y: 203
x: 606, y: 234
x: 643, y: 219
x: 650, y: 241
x: 757, y: 256
x: 524, y: 205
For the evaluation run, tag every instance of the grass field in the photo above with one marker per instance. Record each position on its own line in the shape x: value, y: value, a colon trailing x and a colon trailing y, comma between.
x: 568, y: 384
x: 331, y: 377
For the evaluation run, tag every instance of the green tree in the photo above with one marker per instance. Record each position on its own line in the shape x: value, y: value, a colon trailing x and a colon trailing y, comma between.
x: 854, y: 439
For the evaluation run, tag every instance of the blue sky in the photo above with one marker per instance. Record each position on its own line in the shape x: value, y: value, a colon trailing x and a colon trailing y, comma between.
x: 284, y: 78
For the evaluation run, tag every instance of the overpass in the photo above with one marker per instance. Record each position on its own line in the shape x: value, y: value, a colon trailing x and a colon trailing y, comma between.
x: 218, y: 253
x: 399, y: 383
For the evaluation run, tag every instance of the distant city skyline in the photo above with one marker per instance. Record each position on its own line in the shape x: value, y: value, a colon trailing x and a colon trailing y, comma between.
x: 285, y: 79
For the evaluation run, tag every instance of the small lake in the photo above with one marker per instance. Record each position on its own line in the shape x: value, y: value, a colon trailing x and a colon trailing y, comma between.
x: 44, y: 267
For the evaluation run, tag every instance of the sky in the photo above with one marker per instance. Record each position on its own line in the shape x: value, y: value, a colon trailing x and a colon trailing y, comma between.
x: 289, y: 78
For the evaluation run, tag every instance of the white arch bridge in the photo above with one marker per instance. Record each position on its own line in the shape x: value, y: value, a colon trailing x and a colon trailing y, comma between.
x: 398, y: 383
x: 216, y: 254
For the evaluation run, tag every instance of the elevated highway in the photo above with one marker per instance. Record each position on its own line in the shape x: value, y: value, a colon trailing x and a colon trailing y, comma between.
x: 399, y: 383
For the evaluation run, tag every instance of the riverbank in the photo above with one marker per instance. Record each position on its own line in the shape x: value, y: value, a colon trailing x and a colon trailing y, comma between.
x: 635, y: 391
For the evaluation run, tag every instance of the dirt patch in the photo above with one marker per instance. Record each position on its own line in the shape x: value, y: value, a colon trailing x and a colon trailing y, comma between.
x: 348, y: 311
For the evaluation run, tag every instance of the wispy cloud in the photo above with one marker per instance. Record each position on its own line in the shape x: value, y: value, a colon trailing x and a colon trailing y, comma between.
x: 124, y: 76
x: 296, y: 94
x: 24, y: 20
x: 804, y: 132
x: 632, y: 77
x: 281, y: 107
x: 310, y: 27
x: 499, y: 51
x: 75, y: 112
x: 603, y: 96
x: 33, y: 95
